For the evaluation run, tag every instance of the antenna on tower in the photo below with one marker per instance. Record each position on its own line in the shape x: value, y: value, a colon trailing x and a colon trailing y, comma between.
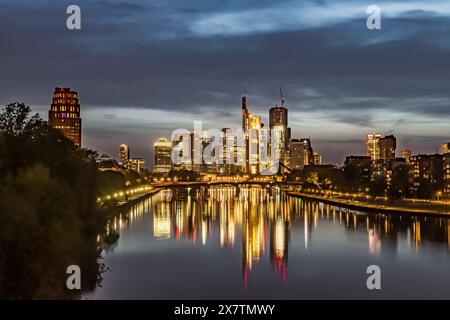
x: 281, y: 96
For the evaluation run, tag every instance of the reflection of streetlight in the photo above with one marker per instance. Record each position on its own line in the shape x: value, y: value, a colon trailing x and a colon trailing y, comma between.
x: 439, y: 194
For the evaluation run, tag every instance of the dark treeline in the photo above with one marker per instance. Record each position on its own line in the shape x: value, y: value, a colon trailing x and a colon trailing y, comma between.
x: 48, y: 214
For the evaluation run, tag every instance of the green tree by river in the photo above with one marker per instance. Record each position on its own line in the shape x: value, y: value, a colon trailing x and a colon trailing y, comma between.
x: 48, y: 214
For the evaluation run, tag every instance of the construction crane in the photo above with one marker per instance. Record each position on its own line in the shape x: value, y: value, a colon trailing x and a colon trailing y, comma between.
x: 282, y: 99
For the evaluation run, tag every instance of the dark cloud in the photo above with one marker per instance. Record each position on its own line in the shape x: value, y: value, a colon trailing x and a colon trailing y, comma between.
x: 151, y: 55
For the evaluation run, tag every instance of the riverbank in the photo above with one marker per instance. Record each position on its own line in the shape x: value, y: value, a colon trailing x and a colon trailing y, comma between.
x: 412, y: 208
x: 112, y: 208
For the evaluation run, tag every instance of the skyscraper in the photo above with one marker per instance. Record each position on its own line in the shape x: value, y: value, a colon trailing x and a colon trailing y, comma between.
x: 388, y: 145
x: 163, y: 151
x: 426, y: 174
x: 317, y: 159
x: 64, y: 114
x: 124, y: 154
x: 447, y: 175
x: 137, y: 164
x: 251, y: 126
x: 373, y: 145
x: 302, y: 153
x: 278, y: 116
x: 278, y: 120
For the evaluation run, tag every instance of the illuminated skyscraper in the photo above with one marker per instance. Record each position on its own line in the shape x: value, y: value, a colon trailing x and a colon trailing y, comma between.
x: 64, y: 114
x: 251, y: 125
x: 163, y: 150
x: 317, y: 159
x: 124, y: 154
x: 445, y: 148
x: 278, y: 119
x: 137, y: 164
x: 373, y: 145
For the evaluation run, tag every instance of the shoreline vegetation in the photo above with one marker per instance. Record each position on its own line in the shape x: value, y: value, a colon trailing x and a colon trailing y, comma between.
x: 50, y: 217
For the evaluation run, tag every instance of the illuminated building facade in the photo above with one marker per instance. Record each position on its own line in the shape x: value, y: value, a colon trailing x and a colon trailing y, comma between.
x: 447, y: 175
x: 278, y: 120
x: 317, y: 159
x: 124, y: 155
x: 373, y: 145
x: 426, y: 174
x: 137, y: 164
x: 251, y: 126
x: 64, y: 114
x: 163, y: 150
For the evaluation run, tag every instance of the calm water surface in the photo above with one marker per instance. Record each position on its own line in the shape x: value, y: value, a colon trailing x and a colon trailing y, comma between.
x: 230, y: 243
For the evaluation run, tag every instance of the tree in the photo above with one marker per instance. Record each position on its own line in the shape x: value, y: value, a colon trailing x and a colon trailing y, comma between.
x: 48, y: 214
x: 378, y: 186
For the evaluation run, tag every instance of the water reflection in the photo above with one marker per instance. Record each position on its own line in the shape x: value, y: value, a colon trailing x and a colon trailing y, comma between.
x: 261, y: 221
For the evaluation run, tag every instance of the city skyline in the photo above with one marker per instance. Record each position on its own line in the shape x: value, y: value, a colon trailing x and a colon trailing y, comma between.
x: 340, y: 79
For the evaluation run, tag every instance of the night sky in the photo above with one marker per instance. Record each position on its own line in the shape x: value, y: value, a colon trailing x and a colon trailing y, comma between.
x: 145, y: 68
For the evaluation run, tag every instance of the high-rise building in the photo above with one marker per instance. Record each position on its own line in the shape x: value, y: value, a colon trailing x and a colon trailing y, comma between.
x: 317, y: 159
x: 64, y: 114
x: 301, y: 153
x: 163, y: 152
x: 137, y: 164
x: 251, y: 126
x: 426, y: 173
x: 278, y: 120
x: 445, y: 148
x: 124, y: 154
x: 447, y: 175
x: 278, y: 116
x: 373, y: 145
x: 388, y: 144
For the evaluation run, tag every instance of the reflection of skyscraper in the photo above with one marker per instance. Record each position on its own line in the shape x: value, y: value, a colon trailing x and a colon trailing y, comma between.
x: 64, y: 114
x: 279, y: 232
x: 161, y: 221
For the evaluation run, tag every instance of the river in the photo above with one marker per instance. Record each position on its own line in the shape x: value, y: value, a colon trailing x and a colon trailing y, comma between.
x: 259, y: 243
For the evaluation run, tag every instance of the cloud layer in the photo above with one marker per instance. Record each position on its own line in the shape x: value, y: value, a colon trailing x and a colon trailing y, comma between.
x: 145, y: 68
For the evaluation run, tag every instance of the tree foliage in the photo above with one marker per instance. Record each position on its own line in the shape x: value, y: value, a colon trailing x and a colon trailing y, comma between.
x: 48, y: 213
